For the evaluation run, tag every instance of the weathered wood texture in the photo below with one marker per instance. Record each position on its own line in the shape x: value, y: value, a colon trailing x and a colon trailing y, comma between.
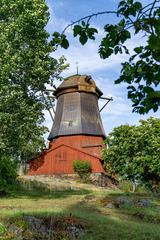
x: 58, y: 159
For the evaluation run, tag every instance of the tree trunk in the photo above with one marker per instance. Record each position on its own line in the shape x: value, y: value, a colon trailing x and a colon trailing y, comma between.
x: 155, y: 183
x: 133, y: 186
x: 22, y: 168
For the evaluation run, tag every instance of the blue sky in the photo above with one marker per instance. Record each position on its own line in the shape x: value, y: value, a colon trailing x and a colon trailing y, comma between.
x: 104, y: 72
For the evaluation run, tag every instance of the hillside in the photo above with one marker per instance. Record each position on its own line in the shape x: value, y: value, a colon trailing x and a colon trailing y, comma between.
x: 82, y: 213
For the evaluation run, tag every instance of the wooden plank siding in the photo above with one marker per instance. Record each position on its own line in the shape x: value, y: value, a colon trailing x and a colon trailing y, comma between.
x: 58, y: 159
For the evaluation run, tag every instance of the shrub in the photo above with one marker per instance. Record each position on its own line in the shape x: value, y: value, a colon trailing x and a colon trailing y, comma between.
x: 8, y: 173
x: 125, y: 185
x: 2, y: 229
x: 83, y: 168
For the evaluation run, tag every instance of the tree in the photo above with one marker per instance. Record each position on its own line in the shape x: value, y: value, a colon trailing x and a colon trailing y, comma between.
x: 26, y: 66
x: 142, y: 71
x: 133, y: 152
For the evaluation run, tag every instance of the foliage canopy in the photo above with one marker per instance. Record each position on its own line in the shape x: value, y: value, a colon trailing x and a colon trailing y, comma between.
x: 26, y: 66
x: 133, y: 152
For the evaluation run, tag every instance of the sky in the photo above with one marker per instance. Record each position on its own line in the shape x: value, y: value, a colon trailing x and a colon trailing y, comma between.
x: 104, y: 72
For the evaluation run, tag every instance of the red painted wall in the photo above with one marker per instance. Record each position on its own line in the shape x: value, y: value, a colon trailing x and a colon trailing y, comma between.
x: 58, y: 159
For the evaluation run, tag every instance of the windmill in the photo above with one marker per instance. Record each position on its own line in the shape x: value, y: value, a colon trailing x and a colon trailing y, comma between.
x: 77, y: 131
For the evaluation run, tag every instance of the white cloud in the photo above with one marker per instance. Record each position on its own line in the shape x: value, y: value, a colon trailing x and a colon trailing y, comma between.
x: 87, y: 58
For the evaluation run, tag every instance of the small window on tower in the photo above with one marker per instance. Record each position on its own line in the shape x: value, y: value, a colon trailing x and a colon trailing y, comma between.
x: 70, y: 123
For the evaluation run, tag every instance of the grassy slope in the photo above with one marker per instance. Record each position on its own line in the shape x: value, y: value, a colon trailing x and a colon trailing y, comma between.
x: 103, y: 223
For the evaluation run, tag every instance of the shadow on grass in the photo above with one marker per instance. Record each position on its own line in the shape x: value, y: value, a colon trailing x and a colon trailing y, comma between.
x: 40, y: 194
x: 142, y: 207
x: 134, y: 195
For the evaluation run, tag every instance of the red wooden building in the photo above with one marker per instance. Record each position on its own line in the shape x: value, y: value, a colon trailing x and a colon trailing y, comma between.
x: 77, y: 132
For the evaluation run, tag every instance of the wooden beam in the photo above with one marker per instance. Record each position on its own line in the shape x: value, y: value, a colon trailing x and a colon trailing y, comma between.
x: 108, y: 100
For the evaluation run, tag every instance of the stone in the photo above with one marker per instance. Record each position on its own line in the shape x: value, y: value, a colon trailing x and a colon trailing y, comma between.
x: 123, y: 200
x: 16, y: 231
x: 102, y: 180
x: 36, y: 224
x: 110, y: 205
x: 143, y: 202
x: 48, y: 228
x: 75, y: 231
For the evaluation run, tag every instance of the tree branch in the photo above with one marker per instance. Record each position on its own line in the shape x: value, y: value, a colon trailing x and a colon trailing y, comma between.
x: 148, y: 5
x: 88, y: 17
x: 150, y: 13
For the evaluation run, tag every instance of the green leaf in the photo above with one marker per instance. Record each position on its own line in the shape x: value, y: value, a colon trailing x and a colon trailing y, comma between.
x: 83, y: 23
x: 124, y: 36
x: 132, y: 88
x: 65, y: 43
x: 130, y: 94
x: 105, y: 42
x: 133, y: 11
x: 56, y: 34
x: 118, y: 81
x: 116, y: 50
x: 108, y: 52
x: 126, y: 49
x: 76, y: 30
x: 122, y: 3
x: 154, y: 95
x: 92, y: 30
x: 138, y: 5
x: 138, y: 49
x: 122, y: 23
x: 155, y: 107
x: 154, y: 42
x: 120, y: 50
x: 83, y: 38
x: 148, y: 89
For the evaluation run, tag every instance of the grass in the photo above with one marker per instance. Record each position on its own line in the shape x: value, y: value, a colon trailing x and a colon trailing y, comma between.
x: 19, y: 203
x: 102, y: 223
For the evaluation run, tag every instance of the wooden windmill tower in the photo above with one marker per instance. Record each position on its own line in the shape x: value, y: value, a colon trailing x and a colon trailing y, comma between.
x: 77, y: 132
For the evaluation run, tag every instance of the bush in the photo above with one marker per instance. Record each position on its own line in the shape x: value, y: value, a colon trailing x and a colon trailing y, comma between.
x: 83, y: 168
x: 8, y: 173
x: 127, y: 186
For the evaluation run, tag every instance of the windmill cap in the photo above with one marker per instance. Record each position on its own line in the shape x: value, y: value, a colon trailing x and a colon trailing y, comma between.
x: 78, y: 83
